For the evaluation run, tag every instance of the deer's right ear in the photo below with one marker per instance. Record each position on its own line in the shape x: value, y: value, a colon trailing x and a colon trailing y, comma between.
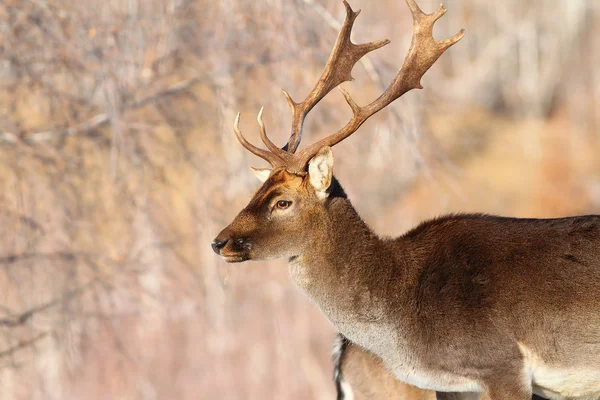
x: 261, y: 173
x: 320, y: 171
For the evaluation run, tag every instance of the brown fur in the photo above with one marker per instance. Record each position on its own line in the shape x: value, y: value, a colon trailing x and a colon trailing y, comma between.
x: 463, y: 298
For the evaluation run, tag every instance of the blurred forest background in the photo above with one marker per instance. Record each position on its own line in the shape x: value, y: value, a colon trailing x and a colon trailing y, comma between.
x: 118, y: 166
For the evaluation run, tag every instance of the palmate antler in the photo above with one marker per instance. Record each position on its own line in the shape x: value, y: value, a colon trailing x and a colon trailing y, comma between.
x: 423, y: 53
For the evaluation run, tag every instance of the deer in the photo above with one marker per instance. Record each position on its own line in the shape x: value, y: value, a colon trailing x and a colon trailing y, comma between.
x: 462, y: 303
x: 361, y: 375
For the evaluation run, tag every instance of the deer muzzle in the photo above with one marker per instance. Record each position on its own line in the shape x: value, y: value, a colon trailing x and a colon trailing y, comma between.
x: 231, y: 247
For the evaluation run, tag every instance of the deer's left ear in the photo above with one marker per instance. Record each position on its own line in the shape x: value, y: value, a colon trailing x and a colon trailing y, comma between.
x: 320, y: 171
x: 261, y: 173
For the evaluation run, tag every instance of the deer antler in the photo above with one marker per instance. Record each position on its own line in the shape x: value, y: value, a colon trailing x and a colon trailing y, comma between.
x: 271, y: 157
x: 423, y: 53
x: 338, y: 70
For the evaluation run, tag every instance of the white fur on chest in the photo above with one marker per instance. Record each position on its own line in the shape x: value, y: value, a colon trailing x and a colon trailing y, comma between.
x: 396, y: 354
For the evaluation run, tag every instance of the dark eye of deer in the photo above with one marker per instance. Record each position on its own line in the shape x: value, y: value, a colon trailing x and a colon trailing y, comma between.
x: 283, y: 204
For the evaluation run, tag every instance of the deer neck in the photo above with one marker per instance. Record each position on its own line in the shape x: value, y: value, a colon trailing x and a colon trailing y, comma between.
x: 343, y: 266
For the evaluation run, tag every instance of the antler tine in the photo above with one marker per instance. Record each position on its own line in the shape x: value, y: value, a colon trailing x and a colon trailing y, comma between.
x: 423, y: 53
x: 265, y: 139
x: 337, y: 70
x: 271, y: 157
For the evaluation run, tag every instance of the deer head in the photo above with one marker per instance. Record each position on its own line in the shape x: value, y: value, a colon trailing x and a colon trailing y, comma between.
x: 296, y: 191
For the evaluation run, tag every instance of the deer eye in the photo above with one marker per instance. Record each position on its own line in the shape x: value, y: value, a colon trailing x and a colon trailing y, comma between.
x: 283, y: 204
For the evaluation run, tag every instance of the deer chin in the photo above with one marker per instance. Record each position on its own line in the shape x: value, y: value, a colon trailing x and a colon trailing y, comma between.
x: 232, y: 258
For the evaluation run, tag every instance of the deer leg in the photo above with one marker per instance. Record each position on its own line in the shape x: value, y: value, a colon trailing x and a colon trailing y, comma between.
x: 508, y: 393
x: 508, y: 386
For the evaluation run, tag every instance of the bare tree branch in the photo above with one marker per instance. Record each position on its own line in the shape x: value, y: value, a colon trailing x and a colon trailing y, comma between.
x: 63, y: 255
x: 23, y: 344
x: 22, y: 318
x: 97, y: 120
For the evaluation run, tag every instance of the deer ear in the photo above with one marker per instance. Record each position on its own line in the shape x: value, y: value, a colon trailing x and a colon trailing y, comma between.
x: 320, y: 171
x: 261, y: 173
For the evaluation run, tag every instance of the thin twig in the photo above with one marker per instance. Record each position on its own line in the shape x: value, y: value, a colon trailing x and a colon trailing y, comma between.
x: 23, y: 344
x: 97, y: 120
x: 20, y: 319
x: 61, y: 255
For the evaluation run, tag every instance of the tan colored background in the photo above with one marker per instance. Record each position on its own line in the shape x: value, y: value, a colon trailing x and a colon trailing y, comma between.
x: 118, y: 166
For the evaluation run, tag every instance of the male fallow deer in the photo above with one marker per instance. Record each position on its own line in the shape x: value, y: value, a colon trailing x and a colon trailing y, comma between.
x: 462, y: 303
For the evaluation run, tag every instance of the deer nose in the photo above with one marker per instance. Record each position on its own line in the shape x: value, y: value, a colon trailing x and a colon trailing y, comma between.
x: 217, y: 245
